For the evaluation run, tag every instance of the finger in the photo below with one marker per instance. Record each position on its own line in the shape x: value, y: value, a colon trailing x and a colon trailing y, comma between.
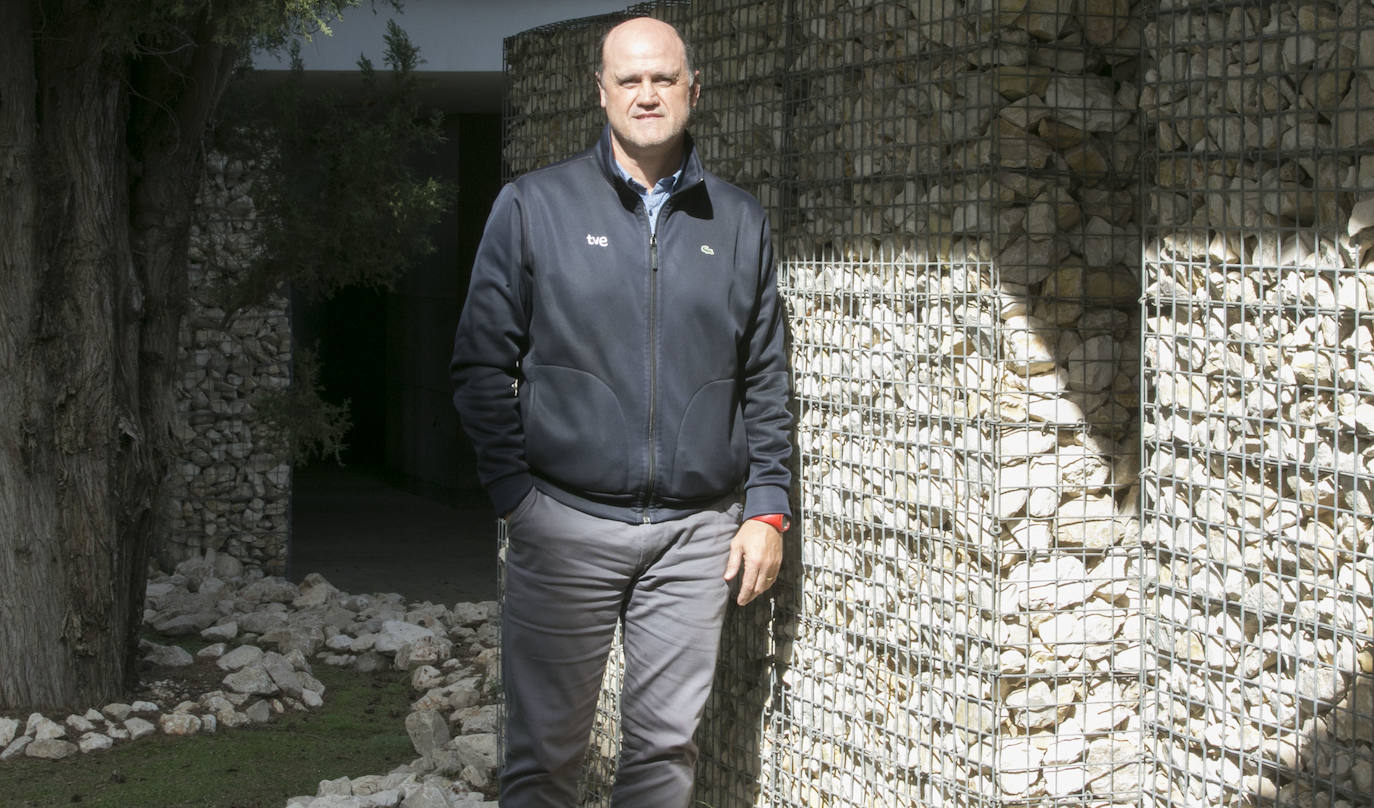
x: 732, y: 566
x: 749, y: 584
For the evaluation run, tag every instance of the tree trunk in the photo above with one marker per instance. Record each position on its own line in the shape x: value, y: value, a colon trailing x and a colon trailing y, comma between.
x: 97, y: 199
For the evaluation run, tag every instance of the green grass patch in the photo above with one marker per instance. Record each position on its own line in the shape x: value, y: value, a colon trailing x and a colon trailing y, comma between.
x: 359, y: 730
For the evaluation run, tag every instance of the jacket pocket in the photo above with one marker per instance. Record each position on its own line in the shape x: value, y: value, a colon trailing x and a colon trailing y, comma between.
x: 711, y: 455
x: 574, y: 430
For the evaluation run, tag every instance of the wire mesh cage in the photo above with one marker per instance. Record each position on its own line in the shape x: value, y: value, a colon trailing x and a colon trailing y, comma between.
x: 1258, y: 473
x: 1016, y: 578
x: 230, y: 489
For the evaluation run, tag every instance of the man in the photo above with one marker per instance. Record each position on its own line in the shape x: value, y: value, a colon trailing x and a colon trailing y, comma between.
x: 629, y: 297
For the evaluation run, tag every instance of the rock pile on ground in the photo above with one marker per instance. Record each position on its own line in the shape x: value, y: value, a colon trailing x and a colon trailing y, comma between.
x: 265, y: 632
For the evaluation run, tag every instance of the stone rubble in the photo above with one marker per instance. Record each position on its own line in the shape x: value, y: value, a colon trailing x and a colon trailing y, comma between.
x: 451, y: 654
x: 231, y: 486
x: 1262, y: 356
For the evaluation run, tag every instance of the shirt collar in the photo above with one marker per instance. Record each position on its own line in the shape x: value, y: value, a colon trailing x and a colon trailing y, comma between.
x: 664, y: 185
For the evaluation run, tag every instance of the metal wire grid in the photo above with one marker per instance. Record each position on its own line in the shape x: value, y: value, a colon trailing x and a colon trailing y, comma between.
x: 1066, y: 236
x: 988, y: 175
x: 225, y: 452
x: 889, y: 692
x: 899, y: 680
x: 888, y: 695
x: 1258, y: 479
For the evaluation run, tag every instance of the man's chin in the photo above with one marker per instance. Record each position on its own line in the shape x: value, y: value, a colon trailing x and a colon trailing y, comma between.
x: 643, y: 141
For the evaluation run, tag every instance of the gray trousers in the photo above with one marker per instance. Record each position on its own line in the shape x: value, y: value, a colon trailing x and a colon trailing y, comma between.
x: 570, y: 578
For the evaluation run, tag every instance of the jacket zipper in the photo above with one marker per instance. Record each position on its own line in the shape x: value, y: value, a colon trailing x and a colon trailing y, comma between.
x: 653, y: 365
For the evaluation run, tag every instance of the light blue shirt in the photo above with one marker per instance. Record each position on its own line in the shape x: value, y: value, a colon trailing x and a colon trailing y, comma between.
x: 653, y: 197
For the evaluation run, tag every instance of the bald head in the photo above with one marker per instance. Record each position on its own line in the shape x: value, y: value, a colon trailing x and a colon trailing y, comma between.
x: 647, y: 30
x: 648, y: 91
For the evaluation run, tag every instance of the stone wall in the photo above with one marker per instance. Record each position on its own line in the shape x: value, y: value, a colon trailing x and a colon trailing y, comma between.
x: 962, y: 277
x: 992, y: 596
x: 1259, y: 347
x: 230, y: 487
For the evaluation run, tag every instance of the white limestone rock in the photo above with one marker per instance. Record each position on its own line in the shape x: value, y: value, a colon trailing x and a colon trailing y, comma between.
x: 478, y: 750
x: 51, y: 749
x: 259, y: 712
x: 327, y: 801
x: 396, y: 633
x: 339, y: 642
x: 171, y: 656
x: 239, y: 658
x: 117, y: 711
x: 95, y: 742
x: 263, y: 620
x: 315, y: 590
x: 16, y: 747
x: 223, y: 631
x: 282, y: 673
x: 252, y: 680
x: 478, y: 719
x: 77, y: 724
x: 427, y: 795
x: 473, y: 614
x: 183, y: 624
x: 269, y: 590
x: 179, y: 724
x: 212, y: 651
x: 41, y: 728
x: 304, y: 636
x: 428, y: 731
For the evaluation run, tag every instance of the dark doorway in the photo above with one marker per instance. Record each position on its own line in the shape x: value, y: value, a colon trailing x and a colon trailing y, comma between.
x: 404, y: 512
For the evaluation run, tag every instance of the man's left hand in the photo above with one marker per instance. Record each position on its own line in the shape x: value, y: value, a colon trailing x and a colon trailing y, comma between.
x: 757, y: 549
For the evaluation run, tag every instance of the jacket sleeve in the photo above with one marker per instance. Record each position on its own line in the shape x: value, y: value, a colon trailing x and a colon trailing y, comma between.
x: 492, y: 337
x: 767, y: 417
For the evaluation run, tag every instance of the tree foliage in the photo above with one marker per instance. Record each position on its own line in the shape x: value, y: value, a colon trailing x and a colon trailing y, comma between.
x: 339, y: 202
x: 339, y: 198
x: 299, y: 419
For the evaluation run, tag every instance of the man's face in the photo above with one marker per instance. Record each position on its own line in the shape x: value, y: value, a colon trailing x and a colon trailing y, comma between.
x: 645, y: 87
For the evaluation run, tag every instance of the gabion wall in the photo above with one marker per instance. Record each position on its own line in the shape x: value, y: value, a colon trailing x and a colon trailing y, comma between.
x: 230, y: 487
x: 1259, y: 430
x: 982, y: 604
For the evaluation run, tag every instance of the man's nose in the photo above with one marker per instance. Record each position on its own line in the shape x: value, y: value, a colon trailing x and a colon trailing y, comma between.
x: 646, y: 94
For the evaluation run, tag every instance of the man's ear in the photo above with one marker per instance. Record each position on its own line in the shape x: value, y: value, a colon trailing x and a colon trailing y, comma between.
x: 600, y: 89
x: 696, y: 87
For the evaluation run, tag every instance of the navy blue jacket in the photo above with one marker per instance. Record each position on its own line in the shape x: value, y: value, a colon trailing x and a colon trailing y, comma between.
x: 651, y: 371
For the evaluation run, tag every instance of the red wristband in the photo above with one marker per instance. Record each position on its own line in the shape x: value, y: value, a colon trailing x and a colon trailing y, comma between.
x: 776, y: 520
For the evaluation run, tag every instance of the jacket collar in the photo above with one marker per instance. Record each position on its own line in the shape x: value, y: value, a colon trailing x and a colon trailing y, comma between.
x: 692, y: 171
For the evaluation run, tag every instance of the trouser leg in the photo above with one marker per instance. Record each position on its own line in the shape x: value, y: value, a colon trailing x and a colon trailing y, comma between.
x: 566, y: 574
x: 672, y: 625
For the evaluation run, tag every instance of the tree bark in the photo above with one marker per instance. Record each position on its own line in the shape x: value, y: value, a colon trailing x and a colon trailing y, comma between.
x: 93, y: 272
x: 62, y: 104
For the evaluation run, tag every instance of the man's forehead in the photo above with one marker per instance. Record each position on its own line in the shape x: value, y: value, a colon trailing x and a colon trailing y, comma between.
x: 635, y: 67
x: 644, y: 39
